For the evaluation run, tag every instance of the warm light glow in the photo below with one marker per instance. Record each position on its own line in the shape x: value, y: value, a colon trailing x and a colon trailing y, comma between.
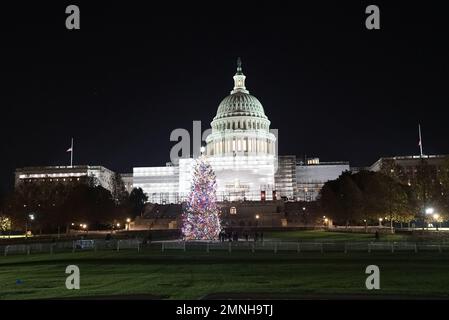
x: 257, y: 216
x: 84, y: 226
x: 326, y: 220
x: 128, y: 220
x: 429, y: 210
x: 31, y: 216
x: 118, y: 225
x: 436, y: 216
x: 380, y: 219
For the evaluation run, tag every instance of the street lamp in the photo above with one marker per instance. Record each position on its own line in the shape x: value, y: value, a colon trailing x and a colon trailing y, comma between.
x: 31, y: 218
x: 428, y: 211
x: 380, y: 222
x: 128, y: 220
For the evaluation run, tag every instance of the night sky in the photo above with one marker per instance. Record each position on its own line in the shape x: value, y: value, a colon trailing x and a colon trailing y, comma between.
x: 135, y: 72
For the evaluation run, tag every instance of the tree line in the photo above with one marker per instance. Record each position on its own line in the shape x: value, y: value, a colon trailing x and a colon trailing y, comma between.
x: 50, y: 207
x: 393, y: 194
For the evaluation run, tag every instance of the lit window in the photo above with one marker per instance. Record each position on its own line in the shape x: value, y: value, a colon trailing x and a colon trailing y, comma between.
x: 233, y: 210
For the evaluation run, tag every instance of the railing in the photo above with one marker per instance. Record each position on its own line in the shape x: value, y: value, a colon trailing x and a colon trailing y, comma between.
x: 322, y: 247
x: 215, y: 246
x: 73, y: 246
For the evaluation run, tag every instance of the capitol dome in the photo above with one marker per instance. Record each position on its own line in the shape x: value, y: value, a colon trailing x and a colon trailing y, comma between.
x: 240, y: 104
x: 240, y: 125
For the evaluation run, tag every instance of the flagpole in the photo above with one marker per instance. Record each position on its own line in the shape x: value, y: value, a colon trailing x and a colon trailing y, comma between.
x: 71, y: 155
x: 420, y: 140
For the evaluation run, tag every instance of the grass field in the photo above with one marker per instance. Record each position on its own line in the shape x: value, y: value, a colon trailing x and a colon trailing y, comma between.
x: 320, y: 235
x: 193, y: 275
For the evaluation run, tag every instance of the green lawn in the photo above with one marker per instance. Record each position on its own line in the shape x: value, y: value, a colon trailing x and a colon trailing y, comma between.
x: 320, y: 235
x: 192, y: 275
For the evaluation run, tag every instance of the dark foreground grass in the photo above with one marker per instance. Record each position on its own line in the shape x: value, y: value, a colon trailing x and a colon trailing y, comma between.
x: 192, y: 275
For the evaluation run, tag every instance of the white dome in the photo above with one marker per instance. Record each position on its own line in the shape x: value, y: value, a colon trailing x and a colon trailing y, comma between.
x: 240, y: 127
x: 240, y: 104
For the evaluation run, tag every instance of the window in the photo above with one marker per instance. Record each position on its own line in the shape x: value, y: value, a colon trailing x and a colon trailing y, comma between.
x: 233, y: 210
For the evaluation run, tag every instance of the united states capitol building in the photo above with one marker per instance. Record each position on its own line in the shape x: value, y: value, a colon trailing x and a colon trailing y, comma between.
x: 243, y: 153
x: 242, y: 150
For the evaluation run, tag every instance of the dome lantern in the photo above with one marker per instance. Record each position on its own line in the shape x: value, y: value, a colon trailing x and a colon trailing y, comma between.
x: 239, y: 79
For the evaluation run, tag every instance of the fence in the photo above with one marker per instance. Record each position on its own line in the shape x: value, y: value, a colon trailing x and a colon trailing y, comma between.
x: 213, y: 246
x: 73, y: 246
x: 322, y: 247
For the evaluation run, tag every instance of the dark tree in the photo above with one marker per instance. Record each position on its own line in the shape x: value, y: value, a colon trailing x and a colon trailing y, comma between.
x: 367, y: 196
x: 119, y: 193
x: 137, y: 199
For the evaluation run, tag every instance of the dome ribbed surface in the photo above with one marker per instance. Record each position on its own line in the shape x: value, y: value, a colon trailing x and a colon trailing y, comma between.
x: 240, y: 104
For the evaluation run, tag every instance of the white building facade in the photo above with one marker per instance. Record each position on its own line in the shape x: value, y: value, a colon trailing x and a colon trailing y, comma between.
x: 98, y: 175
x: 313, y: 174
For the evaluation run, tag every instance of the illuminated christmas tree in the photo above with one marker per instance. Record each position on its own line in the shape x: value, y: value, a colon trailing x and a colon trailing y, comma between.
x: 200, y: 217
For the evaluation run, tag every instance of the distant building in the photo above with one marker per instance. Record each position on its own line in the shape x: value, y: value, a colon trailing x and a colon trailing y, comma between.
x: 127, y: 179
x: 313, y: 174
x: 285, y: 177
x: 161, y: 184
x: 66, y: 175
x: 355, y: 170
x: 406, y: 167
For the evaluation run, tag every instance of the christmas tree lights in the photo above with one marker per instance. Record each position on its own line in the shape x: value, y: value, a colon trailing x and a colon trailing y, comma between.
x: 201, y: 219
